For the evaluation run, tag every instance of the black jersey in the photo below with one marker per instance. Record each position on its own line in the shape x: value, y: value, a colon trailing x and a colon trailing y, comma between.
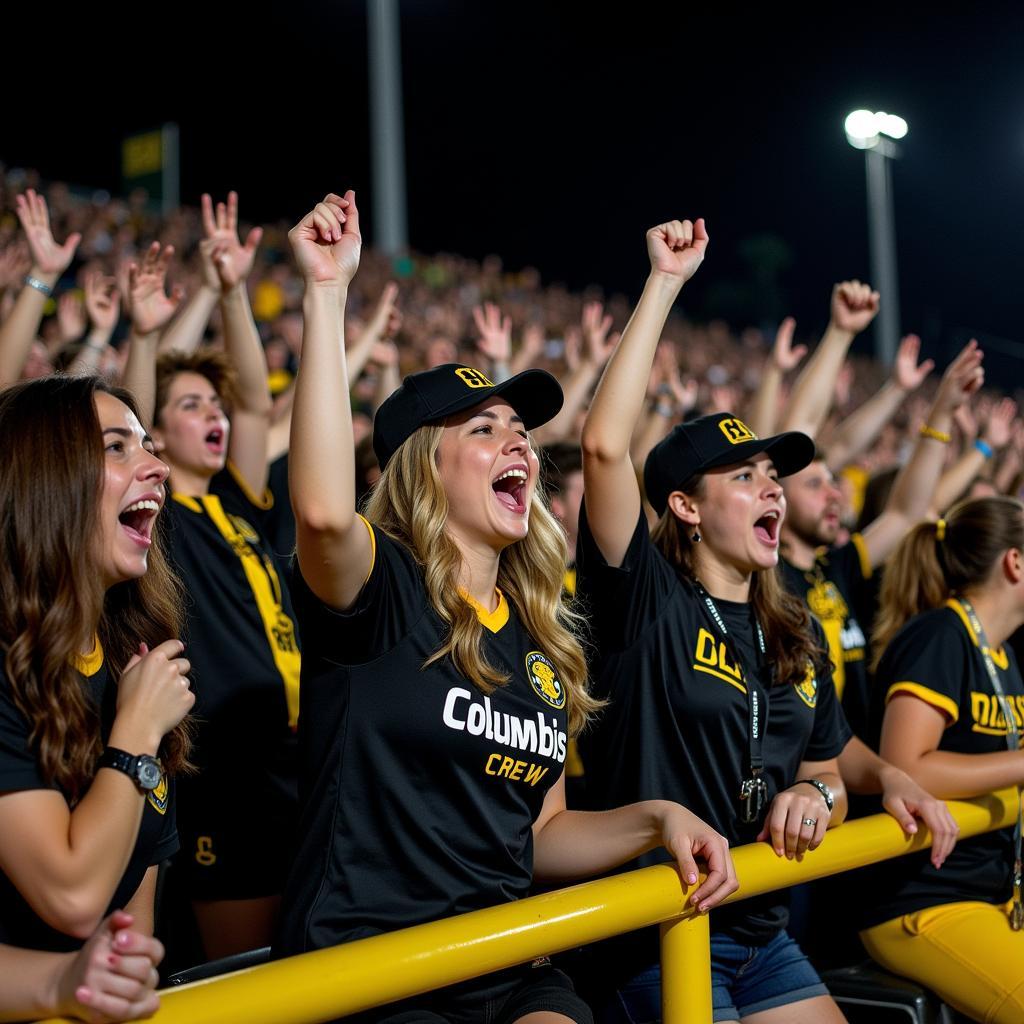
x: 19, y: 770
x: 936, y: 658
x: 239, y: 632
x: 279, y: 520
x: 677, y: 723
x: 418, y: 792
x: 839, y: 592
x: 241, y: 640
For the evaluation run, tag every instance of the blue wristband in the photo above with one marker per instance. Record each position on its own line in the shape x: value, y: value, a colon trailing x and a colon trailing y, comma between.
x: 985, y: 449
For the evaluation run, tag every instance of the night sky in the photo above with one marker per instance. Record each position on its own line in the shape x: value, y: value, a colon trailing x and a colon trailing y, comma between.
x: 555, y: 136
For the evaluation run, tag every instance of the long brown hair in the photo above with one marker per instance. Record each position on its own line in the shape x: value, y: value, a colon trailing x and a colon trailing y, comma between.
x: 784, y: 618
x: 51, y: 482
x: 934, y: 561
x: 409, y: 503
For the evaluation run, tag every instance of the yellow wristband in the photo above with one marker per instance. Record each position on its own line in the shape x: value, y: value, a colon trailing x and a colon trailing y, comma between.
x: 936, y: 435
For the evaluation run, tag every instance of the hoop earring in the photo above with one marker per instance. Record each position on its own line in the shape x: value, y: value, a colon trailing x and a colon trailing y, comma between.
x: 695, y: 537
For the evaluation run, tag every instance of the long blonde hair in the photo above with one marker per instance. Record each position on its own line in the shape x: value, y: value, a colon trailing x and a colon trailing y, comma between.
x: 934, y: 561
x: 409, y: 504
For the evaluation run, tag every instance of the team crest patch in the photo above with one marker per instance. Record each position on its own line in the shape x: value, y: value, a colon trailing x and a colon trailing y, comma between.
x: 736, y: 431
x: 544, y: 680
x: 473, y: 378
x: 245, y: 530
x: 158, y: 797
x: 808, y: 689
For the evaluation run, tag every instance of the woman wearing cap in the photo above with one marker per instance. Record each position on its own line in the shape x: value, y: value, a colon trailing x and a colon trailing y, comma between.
x: 441, y: 675
x: 718, y: 687
x: 952, y: 699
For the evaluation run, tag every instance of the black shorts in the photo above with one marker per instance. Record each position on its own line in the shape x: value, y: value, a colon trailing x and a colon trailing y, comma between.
x: 236, y: 841
x: 500, y: 998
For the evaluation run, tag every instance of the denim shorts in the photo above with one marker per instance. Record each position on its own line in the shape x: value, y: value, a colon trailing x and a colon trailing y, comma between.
x: 744, y: 980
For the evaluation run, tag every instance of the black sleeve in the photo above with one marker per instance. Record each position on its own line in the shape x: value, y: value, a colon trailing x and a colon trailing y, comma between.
x: 18, y: 766
x: 622, y: 602
x: 392, y: 601
x: 928, y: 658
x: 235, y: 495
x: 167, y: 845
x: 831, y: 731
x: 850, y: 564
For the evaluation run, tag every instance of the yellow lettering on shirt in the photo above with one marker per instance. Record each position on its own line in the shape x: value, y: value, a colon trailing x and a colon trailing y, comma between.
x: 712, y: 657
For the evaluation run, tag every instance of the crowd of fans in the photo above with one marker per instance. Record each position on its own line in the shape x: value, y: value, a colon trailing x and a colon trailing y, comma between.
x: 288, y: 809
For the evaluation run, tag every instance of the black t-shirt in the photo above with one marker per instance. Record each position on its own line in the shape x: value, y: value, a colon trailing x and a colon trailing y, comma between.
x: 239, y: 635
x: 19, y: 770
x: 279, y: 519
x: 677, y: 723
x: 418, y: 792
x: 936, y: 658
x: 840, y: 594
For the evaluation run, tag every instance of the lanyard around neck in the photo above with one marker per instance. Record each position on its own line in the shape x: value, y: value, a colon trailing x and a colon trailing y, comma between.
x: 757, y: 704
x: 1013, y: 743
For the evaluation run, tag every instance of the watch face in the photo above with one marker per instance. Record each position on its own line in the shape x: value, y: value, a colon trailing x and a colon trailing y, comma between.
x: 149, y: 773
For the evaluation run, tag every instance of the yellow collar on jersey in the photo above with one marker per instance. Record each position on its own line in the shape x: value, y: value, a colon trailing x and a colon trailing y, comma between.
x: 999, y: 656
x: 489, y: 620
x: 89, y: 664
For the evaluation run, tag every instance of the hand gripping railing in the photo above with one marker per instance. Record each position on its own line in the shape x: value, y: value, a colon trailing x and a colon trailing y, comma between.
x: 333, y: 982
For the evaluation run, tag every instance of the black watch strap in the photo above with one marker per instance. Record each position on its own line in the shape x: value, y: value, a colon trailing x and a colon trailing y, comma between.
x: 142, y: 769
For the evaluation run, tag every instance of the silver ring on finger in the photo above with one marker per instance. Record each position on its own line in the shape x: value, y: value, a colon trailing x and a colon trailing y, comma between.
x: 810, y: 822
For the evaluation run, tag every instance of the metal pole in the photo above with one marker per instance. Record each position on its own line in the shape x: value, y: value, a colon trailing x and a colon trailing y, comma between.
x: 686, y: 970
x: 882, y: 239
x: 387, y: 141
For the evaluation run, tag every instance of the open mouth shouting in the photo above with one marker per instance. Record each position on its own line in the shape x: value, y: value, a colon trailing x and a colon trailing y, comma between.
x: 510, y: 488
x: 766, y: 529
x: 215, y: 440
x: 138, y: 518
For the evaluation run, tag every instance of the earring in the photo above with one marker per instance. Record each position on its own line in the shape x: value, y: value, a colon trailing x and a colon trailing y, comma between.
x: 695, y: 537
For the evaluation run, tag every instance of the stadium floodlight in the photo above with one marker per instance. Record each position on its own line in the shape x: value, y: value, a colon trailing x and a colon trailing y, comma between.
x: 876, y: 133
x: 864, y: 129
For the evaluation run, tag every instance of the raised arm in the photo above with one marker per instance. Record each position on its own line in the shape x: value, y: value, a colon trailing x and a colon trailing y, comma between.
x: 597, y: 349
x: 912, y: 490
x: 676, y: 250
x: 858, y: 431
x: 954, y: 481
x: 334, y: 550
x: 854, y: 306
x: 151, y: 308
x: 185, y: 333
x: 382, y: 326
x: 49, y: 261
x: 494, y: 339
x: 785, y: 356
x: 251, y: 403
x: 102, y: 303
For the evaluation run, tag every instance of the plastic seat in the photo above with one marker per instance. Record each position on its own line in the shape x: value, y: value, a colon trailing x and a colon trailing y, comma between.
x: 227, y: 964
x: 869, y: 994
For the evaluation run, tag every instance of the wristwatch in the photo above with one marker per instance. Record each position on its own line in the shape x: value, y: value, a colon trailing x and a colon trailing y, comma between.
x: 142, y: 769
x: 822, y: 789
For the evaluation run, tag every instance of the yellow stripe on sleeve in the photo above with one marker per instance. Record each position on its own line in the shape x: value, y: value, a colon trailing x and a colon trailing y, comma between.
x: 857, y: 540
x: 265, y: 503
x: 373, y: 547
x: 936, y: 700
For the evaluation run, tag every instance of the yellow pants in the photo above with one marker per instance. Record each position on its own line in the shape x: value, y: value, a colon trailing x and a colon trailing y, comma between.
x: 966, y: 953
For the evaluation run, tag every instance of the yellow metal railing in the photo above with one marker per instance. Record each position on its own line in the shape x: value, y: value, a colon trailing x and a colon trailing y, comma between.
x: 334, y: 982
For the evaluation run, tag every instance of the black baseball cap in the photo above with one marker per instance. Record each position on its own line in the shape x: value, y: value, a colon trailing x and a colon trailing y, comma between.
x: 712, y: 441
x: 444, y: 390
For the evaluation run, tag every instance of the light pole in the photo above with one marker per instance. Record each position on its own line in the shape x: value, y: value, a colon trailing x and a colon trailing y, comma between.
x: 876, y: 134
x: 387, y: 128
